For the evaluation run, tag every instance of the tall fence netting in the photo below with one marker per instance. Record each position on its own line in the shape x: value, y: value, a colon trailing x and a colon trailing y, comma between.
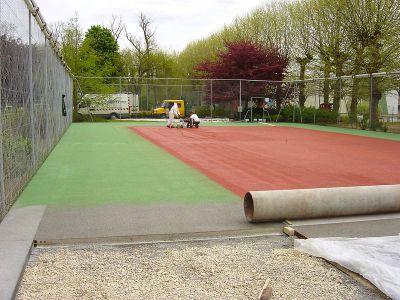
x: 34, y: 84
x: 349, y: 99
x: 35, y: 88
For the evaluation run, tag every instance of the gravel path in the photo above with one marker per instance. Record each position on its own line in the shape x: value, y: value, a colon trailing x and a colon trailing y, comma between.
x: 217, y: 269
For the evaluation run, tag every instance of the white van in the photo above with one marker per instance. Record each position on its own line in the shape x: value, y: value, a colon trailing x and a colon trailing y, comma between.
x: 111, y: 106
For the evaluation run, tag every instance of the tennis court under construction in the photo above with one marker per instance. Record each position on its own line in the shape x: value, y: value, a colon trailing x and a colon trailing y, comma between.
x: 123, y: 182
x: 147, y: 176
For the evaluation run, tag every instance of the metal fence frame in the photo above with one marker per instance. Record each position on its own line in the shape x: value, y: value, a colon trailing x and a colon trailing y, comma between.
x: 34, y: 83
x: 209, y: 86
x: 42, y: 79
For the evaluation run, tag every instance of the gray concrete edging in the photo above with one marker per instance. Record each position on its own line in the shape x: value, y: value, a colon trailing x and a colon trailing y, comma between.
x: 17, y: 232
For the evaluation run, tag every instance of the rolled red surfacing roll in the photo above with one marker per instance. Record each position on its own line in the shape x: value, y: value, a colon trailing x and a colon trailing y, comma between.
x: 321, y: 202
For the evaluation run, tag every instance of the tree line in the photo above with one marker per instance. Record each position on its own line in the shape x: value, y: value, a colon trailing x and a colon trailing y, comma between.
x: 319, y: 38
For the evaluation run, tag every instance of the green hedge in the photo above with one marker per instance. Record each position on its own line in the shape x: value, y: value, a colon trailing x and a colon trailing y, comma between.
x: 78, y: 118
x: 322, y: 116
x: 204, y: 111
x: 144, y: 115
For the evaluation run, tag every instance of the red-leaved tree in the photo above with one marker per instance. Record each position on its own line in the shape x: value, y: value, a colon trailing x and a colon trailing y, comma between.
x: 244, y: 60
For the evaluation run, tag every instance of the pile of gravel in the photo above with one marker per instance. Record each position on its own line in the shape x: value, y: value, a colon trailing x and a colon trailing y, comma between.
x: 219, y: 269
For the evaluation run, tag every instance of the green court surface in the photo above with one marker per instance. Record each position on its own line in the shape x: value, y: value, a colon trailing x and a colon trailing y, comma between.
x: 367, y: 133
x: 102, y: 163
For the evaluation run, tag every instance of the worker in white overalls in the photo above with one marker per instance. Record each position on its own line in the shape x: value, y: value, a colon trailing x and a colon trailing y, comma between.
x: 173, y: 112
x: 193, y: 121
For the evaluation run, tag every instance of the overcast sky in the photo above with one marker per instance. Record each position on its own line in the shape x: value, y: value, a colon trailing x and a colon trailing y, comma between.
x: 177, y: 22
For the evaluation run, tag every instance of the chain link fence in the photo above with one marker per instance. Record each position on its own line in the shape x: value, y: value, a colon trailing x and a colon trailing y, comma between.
x: 35, y: 97
x: 362, y: 101
x: 350, y: 100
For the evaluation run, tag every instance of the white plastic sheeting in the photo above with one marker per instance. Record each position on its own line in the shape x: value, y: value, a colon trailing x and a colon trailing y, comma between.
x: 375, y: 258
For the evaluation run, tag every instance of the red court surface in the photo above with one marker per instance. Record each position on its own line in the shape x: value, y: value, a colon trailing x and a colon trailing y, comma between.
x: 272, y: 158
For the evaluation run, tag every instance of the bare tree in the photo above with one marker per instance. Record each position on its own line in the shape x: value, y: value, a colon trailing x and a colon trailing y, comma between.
x: 57, y: 29
x: 140, y: 61
x: 116, y: 26
x: 330, y: 44
x: 69, y: 36
x: 372, y: 27
x: 302, y: 47
x: 147, y: 44
x: 143, y: 47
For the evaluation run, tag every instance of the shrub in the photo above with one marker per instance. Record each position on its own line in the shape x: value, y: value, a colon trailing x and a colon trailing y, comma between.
x: 286, y: 114
x: 379, y: 126
x: 322, y: 116
x: 219, y: 112
x: 345, y: 119
x: 363, y: 122
x: 143, y: 115
x: 77, y: 118
x: 202, y: 111
x: 80, y: 118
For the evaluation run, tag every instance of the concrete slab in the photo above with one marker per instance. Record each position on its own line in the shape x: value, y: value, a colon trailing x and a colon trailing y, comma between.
x: 132, y: 222
x: 369, y: 228
x: 345, y: 219
x: 17, y: 231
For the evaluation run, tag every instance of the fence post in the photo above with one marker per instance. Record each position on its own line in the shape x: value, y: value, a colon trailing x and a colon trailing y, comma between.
x: 155, y: 88
x: 370, y: 99
x: 240, y: 101
x: 120, y: 97
x: 166, y: 89
x: 251, y: 109
x: 2, y: 186
x: 71, y: 95
x: 181, y: 91
x: 319, y: 95
x: 294, y: 102
x: 46, y: 96
x: 31, y: 105
x: 2, y: 191
x: 340, y: 99
x: 315, y: 98
x: 147, y: 94
x: 211, y: 99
